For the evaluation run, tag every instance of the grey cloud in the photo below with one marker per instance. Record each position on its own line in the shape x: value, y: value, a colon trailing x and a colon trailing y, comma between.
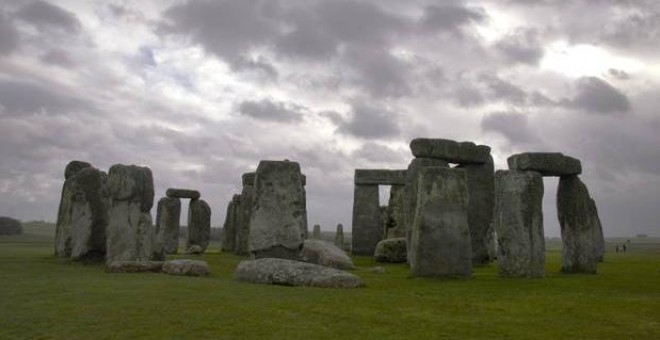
x: 467, y: 96
x: 513, y: 126
x: 8, y: 35
x: 377, y: 153
x: 57, y: 57
x: 618, y: 74
x: 19, y: 97
x: 450, y: 17
x: 503, y: 90
x: 44, y: 16
x: 269, y: 110
x: 522, y: 46
x: 258, y: 64
x: 597, y: 96
x: 641, y: 30
x: 370, y: 123
x: 381, y: 74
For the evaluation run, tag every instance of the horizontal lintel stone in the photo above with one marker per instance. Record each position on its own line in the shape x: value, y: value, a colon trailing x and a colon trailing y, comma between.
x: 182, y: 193
x: 450, y: 151
x: 546, y: 163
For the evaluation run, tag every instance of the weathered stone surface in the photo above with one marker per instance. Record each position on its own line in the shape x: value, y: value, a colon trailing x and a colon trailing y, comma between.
x: 395, y: 207
x: 277, y: 223
x: 367, y: 227
x: 316, y: 233
x: 382, y: 177
x: 545, y: 163
x: 599, y: 237
x: 441, y: 244
x: 182, y: 193
x: 391, y: 250
x: 168, y: 215
x: 130, y: 231
x: 186, y: 267
x: 231, y: 225
x: 74, y: 167
x: 384, y: 221
x: 83, y: 216
x: 248, y: 178
x: 285, y: 272
x: 194, y: 250
x: 450, y: 151
x: 481, y: 188
x: 339, y: 236
x: 326, y: 254
x: 199, y: 224
x: 243, y: 217
x: 305, y: 232
x: 519, y: 223
x: 134, y: 266
x: 10, y: 226
x: 578, y: 226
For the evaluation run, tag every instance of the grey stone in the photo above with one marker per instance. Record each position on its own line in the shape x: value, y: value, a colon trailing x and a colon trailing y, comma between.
x: 391, y: 250
x: 441, y: 244
x: 182, y: 193
x: 277, y: 223
x: 450, y: 151
x: 382, y: 177
x: 274, y: 271
x: 168, y: 214
x: 229, y: 234
x: 481, y: 188
x: 134, y: 266
x: 545, y: 163
x: 186, y: 267
x: 74, y: 167
x: 367, y: 227
x: 339, y: 236
x: 248, y: 178
x: 194, y: 250
x: 599, y: 238
x: 578, y: 226
x: 326, y: 254
x: 199, y: 224
x: 384, y: 221
x: 243, y: 217
x: 303, y: 180
x: 377, y: 270
x: 10, y: 226
x: 395, y: 209
x: 305, y: 232
x: 519, y: 223
x: 316, y: 232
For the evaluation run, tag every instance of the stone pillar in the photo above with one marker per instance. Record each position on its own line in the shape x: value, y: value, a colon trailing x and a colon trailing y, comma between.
x: 395, y: 208
x: 339, y: 236
x: 277, y: 221
x: 245, y: 211
x: 441, y: 244
x: 130, y: 232
x: 519, y: 223
x: 168, y: 215
x: 578, y: 226
x: 229, y: 228
x: 599, y: 244
x: 199, y: 225
x: 367, y: 229
x: 305, y: 232
x: 316, y: 233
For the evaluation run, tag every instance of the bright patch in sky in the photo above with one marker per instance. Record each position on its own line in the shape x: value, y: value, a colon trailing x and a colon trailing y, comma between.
x: 585, y: 60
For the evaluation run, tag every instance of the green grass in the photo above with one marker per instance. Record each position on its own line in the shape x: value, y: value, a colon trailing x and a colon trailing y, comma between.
x: 43, y: 297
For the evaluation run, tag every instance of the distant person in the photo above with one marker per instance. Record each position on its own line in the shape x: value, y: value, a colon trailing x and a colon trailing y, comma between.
x: 624, y: 248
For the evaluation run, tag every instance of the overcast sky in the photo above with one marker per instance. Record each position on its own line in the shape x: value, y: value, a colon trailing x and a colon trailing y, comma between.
x: 201, y: 91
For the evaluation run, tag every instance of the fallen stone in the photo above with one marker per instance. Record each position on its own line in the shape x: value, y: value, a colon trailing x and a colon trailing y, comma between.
x: 545, y: 163
x: 186, y: 267
x: 450, y: 151
x: 74, y: 167
x: 285, y: 272
x: 194, y: 250
x: 199, y: 224
x: 10, y: 226
x: 182, y: 193
x: 325, y: 254
x: 168, y: 214
x: 380, y: 177
x: 391, y: 250
x: 134, y: 266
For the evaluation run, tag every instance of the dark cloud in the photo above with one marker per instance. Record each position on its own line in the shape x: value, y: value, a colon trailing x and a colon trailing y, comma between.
x: 47, y: 16
x: 258, y: 64
x: 450, y: 17
x: 57, y: 57
x: 377, y: 153
x: 513, y: 126
x: 269, y: 110
x: 468, y: 96
x: 378, y: 72
x: 522, y: 46
x: 21, y: 97
x: 370, y: 123
x: 8, y: 35
x: 598, y: 96
x: 499, y: 89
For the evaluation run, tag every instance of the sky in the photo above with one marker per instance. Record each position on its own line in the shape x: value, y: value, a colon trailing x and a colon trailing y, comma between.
x: 201, y: 91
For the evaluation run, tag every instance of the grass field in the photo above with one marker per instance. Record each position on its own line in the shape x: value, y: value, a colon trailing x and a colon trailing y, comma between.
x: 42, y: 297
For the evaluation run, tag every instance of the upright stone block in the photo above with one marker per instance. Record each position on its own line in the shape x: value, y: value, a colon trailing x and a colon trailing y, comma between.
x: 545, y: 163
x: 441, y: 237
x: 367, y: 228
x: 245, y: 211
x: 168, y: 216
x: 395, y: 208
x: 578, y: 226
x: 599, y: 244
x: 74, y: 167
x: 450, y: 151
x: 316, y: 233
x: 229, y: 228
x: 519, y: 223
x: 277, y: 221
x: 199, y: 224
x: 339, y: 236
x: 305, y: 232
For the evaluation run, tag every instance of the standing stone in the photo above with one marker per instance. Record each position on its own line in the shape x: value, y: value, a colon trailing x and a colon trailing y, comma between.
x: 243, y: 219
x: 130, y: 232
x: 481, y: 187
x: 305, y: 232
x: 391, y: 250
x: 367, y: 228
x: 395, y: 207
x: 168, y: 215
x: 229, y: 227
x: 83, y: 214
x: 519, y: 223
x: 277, y: 221
x: 339, y: 236
x: 441, y: 236
x: 199, y: 224
x: 599, y: 244
x: 316, y: 233
x: 578, y: 226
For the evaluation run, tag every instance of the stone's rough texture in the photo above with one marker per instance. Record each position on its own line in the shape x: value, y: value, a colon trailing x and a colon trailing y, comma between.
x: 599, y: 238
x: 384, y: 221
x: 83, y: 216
x: 339, y: 236
x: 367, y: 227
x: 382, y: 177
x: 545, y: 163
x: 186, y: 267
x: 305, y: 232
x: 10, y: 226
x: 395, y: 207
x: 230, y: 226
x: 194, y: 250
x: 326, y: 254
x: 248, y: 178
x: 182, y: 193
x: 481, y: 188
x: 294, y: 273
x: 243, y: 217
x: 303, y: 180
x: 130, y: 232
x: 74, y: 167
x: 441, y: 237
x: 410, y: 193
x: 134, y: 266
x: 316, y: 233
x: 277, y: 223
x: 519, y: 223
x: 578, y: 226
x: 391, y: 250
x: 450, y: 151
x: 167, y: 224
x: 199, y: 224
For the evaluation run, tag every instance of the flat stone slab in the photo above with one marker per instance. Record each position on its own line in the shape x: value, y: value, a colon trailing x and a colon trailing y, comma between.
x: 326, y: 254
x: 182, y: 193
x: 391, y: 250
x: 546, y: 163
x: 186, y: 267
x: 285, y: 272
x: 382, y: 177
x: 450, y: 151
x: 134, y: 266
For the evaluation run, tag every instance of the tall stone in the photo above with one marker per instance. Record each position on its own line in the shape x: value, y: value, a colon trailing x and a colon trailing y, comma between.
x: 130, y: 232
x: 599, y: 244
x: 395, y: 208
x: 229, y: 228
x: 277, y: 221
x: 168, y: 215
x: 305, y: 232
x: 339, y: 236
x: 74, y: 167
x: 199, y: 224
x: 578, y: 226
x: 519, y: 223
x: 316, y: 233
x: 441, y: 244
x: 244, y: 213
x: 367, y: 228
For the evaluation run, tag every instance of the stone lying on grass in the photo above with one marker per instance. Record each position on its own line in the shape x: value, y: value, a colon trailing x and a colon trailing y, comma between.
x: 294, y: 273
x: 186, y: 267
x: 391, y: 250
x: 194, y: 250
x: 134, y: 266
x: 326, y: 254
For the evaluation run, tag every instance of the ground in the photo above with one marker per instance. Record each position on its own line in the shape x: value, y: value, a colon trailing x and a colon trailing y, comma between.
x: 43, y: 297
